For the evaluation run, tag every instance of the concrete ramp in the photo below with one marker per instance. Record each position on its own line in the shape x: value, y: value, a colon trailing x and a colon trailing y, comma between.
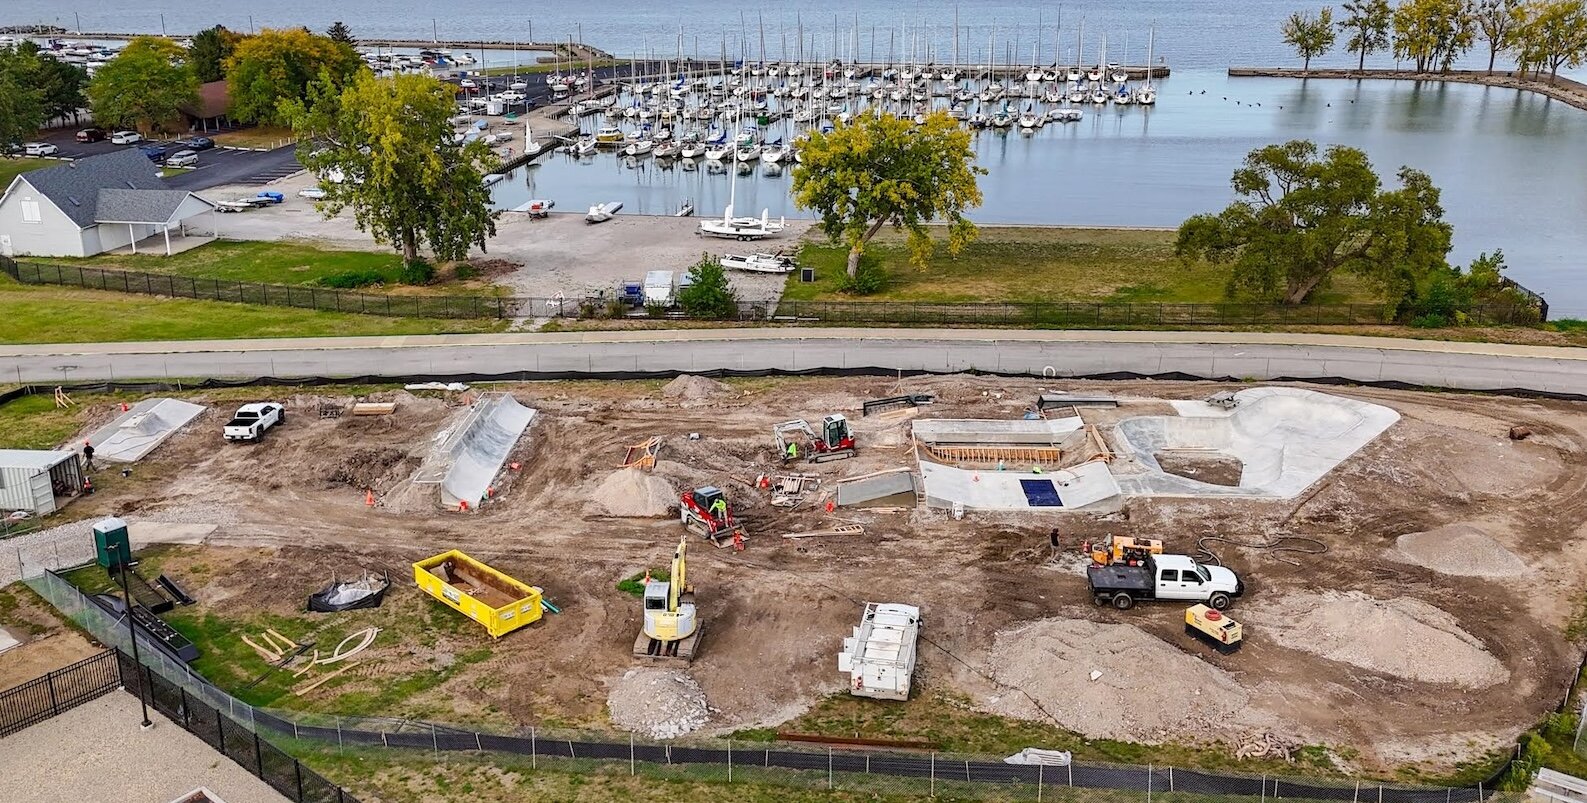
x: 466, y: 462
x: 895, y: 488
x: 136, y: 432
x: 1056, y: 490
x: 1285, y: 439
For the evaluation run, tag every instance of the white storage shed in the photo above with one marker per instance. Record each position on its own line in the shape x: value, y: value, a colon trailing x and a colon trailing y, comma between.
x: 38, y: 481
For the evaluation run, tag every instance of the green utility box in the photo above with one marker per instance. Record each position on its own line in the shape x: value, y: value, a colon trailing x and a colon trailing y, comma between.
x: 112, y: 548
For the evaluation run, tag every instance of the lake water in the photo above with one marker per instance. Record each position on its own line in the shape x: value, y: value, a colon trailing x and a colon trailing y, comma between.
x: 1513, y: 166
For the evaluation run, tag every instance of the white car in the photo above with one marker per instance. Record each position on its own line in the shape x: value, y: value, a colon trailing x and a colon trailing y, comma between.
x: 468, y: 83
x: 182, y: 159
x: 125, y: 138
x: 511, y: 97
x: 40, y: 149
x: 312, y: 193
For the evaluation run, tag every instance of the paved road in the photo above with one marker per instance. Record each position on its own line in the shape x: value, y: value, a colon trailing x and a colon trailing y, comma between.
x: 221, y: 166
x: 1234, y: 355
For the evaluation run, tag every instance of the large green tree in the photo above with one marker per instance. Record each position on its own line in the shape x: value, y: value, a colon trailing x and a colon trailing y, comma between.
x: 1303, y: 218
x: 278, y: 65
x: 210, y: 49
x: 145, y: 86
x: 389, y: 141
x: 1433, y: 33
x: 1367, y: 21
x: 884, y: 170
x: 22, y: 105
x: 1497, y: 21
x: 1310, y: 36
x: 339, y: 32
x: 1551, y: 34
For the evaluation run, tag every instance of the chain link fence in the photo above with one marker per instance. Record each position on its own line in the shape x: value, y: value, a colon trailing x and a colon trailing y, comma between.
x: 913, y: 774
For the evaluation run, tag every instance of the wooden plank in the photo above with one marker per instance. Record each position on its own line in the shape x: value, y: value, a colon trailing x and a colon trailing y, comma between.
x: 374, y: 408
x: 845, y: 529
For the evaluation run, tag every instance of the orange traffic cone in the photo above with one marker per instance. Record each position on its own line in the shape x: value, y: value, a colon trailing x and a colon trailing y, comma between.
x: 831, y: 505
x: 462, y: 506
x: 124, y: 407
x: 738, y: 540
x: 369, y: 497
x: 490, y: 492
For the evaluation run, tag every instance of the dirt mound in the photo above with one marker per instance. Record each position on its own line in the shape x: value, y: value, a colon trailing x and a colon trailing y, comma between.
x: 693, y: 388
x: 1146, y: 689
x: 376, y: 467
x: 632, y: 493
x: 1459, y: 549
x: 1403, y: 637
x: 658, y: 703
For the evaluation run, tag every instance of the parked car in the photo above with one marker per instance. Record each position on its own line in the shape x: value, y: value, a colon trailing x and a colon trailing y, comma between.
x: 125, y: 138
x: 40, y: 149
x: 468, y: 83
x: 92, y: 135
x: 251, y: 420
x: 197, y: 143
x: 156, y: 153
x: 182, y: 159
x: 312, y: 193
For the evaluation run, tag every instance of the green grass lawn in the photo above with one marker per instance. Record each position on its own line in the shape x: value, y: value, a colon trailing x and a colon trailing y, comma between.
x: 263, y: 136
x: 11, y: 168
x: 1035, y: 264
x: 266, y: 262
x: 48, y: 314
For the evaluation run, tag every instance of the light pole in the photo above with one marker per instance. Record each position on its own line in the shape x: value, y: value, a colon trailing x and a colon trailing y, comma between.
x: 132, y: 633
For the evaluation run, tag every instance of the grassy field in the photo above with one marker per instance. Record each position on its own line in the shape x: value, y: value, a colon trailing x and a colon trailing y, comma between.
x: 46, y: 314
x: 1036, y: 264
x: 11, y: 168
x: 257, y: 137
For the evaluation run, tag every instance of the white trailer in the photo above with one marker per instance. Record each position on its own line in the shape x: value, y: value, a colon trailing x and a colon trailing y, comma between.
x: 660, y: 288
x: 880, y: 657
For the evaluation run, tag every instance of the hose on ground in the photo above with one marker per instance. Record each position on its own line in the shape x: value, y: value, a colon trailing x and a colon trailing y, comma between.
x: 1299, y: 545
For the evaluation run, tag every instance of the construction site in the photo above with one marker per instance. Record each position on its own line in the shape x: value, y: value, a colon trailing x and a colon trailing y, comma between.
x: 1397, y: 570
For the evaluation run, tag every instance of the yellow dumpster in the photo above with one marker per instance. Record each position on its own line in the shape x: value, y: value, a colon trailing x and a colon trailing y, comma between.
x: 500, y: 603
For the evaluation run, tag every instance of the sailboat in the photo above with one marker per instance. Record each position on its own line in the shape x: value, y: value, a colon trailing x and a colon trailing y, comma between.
x: 741, y: 228
x: 1148, y: 94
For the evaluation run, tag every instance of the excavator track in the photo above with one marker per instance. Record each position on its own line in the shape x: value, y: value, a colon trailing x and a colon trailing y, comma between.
x: 681, y: 650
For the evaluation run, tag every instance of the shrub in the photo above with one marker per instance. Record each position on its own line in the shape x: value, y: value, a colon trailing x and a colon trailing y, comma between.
x: 709, y: 294
x: 417, y: 272
x: 1431, y: 321
x: 656, y: 310
x: 353, y: 279
x: 869, y: 278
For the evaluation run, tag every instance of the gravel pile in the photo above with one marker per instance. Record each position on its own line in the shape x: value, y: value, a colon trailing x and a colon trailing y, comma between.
x: 1403, y: 637
x: 1464, y: 550
x: 1146, y: 689
x: 657, y: 703
x: 693, y: 388
x: 630, y: 492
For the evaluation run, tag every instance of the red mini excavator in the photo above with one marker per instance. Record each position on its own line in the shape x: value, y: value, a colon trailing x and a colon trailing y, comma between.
x: 705, y: 511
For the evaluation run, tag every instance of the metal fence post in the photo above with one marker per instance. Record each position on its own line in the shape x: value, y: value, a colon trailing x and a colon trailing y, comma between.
x: 1148, y: 783
x: 1039, y: 773
x: 630, y: 754
x: 1264, y: 788
x: 435, y: 743
x: 1071, y: 768
x: 55, y: 706
x: 933, y: 774
x: 534, y: 761
x: 297, y: 771
x: 220, y: 732
x: 729, y: 760
x: 1356, y: 797
x: 829, y: 769
x: 258, y: 756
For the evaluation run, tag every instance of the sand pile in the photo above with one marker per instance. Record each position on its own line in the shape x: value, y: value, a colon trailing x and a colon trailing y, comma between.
x: 630, y: 492
x: 693, y: 388
x: 1459, y: 549
x: 1403, y: 637
x: 1147, y: 690
x: 658, y: 703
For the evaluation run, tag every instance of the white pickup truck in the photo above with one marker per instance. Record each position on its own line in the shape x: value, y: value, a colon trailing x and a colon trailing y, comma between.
x: 1166, y: 578
x: 251, y: 420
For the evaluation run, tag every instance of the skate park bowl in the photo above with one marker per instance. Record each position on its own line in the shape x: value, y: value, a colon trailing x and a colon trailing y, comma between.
x: 137, y: 431
x: 1274, y: 443
x: 979, y: 489
x: 466, y: 463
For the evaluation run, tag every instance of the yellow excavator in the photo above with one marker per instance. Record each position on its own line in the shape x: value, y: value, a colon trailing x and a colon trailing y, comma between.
x: 672, y: 626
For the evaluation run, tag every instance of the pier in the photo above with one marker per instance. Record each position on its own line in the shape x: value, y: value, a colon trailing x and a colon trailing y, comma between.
x: 1564, y: 90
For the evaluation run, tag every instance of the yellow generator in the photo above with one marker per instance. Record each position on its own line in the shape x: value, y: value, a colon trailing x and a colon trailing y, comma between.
x: 1214, y: 627
x: 500, y: 603
x: 1124, y: 549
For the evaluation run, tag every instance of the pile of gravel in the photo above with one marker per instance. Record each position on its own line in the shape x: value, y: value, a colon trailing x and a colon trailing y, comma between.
x: 1403, y: 637
x: 1145, y: 689
x: 693, y: 388
x: 657, y: 703
x: 1464, y: 550
x: 630, y: 492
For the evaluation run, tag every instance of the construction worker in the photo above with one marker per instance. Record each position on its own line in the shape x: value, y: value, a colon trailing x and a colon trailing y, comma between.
x: 793, y: 450
x: 88, y: 456
x: 1035, y: 469
x: 719, y: 510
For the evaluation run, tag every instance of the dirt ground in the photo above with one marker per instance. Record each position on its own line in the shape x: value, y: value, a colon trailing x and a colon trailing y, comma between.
x: 775, y: 614
x: 46, y: 644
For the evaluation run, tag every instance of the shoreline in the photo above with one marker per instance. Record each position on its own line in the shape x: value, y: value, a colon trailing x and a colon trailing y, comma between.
x: 1564, y: 90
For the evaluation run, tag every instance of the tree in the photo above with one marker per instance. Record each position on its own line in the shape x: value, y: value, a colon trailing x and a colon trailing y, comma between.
x: 881, y: 170
x: 341, y: 34
x: 383, y: 148
x: 278, y: 65
x: 1310, y: 37
x: 1368, y: 24
x: 145, y: 86
x: 1552, y: 34
x: 1301, y: 220
x: 709, y: 294
x: 210, y: 49
x: 1433, y: 33
x: 21, y: 101
x: 1497, y: 20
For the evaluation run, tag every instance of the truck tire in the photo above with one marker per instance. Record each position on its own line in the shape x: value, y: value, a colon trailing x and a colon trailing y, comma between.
x: 1219, y: 601
x: 1123, y: 601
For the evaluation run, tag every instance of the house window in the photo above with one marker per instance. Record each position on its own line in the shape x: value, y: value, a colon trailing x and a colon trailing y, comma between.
x: 30, y: 211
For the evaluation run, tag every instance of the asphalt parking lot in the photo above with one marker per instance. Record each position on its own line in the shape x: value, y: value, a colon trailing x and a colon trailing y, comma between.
x: 215, y: 166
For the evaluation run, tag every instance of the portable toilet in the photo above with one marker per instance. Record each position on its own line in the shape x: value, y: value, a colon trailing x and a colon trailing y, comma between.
x: 112, y: 546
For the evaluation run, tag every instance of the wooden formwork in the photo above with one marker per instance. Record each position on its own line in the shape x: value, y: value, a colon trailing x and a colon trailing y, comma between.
x: 1034, y: 455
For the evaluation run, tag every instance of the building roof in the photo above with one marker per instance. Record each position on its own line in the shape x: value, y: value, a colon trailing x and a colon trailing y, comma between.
x: 138, y: 206
x: 75, y: 186
x: 214, y: 100
x: 33, y: 458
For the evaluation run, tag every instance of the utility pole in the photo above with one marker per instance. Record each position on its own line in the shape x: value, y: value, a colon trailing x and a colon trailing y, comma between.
x: 132, y: 633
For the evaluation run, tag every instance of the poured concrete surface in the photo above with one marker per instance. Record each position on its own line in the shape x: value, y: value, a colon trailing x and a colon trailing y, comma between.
x: 883, y: 488
x: 468, y: 460
x: 136, y: 432
x: 974, y: 489
x: 1285, y: 438
x: 994, y: 432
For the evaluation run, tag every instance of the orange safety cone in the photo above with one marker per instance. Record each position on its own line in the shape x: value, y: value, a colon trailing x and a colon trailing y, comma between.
x: 462, y: 506
x: 831, y: 505
x: 369, y: 498
x: 490, y: 492
x: 738, y: 540
x: 124, y: 407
